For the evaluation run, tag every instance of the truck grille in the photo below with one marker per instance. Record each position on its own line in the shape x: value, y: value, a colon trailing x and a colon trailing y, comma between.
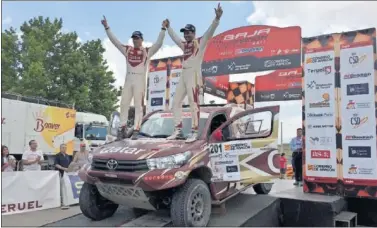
x: 123, y: 165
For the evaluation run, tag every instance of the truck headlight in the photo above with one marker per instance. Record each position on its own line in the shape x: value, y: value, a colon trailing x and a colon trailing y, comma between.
x: 169, y: 162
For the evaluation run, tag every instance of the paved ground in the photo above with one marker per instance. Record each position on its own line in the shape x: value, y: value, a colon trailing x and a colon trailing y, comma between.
x: 124, y: 217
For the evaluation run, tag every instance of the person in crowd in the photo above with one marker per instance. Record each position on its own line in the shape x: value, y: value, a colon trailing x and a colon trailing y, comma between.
x: 32, y: 158
x: 137, y: 60
x: 62, y: 160
x: 191, y: 83
x: 296, y: 148
x: 82, y: 157
x: 8, y: 161
x: 283, y: 165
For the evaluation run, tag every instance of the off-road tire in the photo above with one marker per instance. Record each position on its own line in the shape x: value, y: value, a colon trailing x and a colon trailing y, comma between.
x: 93, y: 205
x: 182, y: 204
x: 262, y: 188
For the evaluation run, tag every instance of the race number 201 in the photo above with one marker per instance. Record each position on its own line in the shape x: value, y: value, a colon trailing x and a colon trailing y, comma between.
x: 215, y: 149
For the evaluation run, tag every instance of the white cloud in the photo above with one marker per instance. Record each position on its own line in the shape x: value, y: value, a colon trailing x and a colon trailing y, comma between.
x: 7, y: 21
x: 316, y: 18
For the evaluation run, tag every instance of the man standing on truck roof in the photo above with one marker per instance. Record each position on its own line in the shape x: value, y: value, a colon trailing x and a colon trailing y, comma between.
x: 137, y: 58
x: 191, y: 80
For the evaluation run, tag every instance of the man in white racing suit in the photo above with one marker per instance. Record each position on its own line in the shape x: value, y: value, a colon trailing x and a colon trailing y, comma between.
x: 191, y: 80
x: 137, y: 59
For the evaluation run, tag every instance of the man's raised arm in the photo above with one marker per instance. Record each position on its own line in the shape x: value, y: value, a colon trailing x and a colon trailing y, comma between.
x: 112, y: 37
x: 211, y: 30
x: 157, y: 45
x: 174, y: 36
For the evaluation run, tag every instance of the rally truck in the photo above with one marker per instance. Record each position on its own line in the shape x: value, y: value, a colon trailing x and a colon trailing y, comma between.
x: 233, y: 153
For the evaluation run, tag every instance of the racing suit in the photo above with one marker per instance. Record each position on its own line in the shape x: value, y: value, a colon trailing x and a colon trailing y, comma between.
x: 191, y: 81
x: 134, y: 86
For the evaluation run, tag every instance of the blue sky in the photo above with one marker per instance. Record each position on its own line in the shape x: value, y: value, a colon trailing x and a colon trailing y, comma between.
x: 125, y: 17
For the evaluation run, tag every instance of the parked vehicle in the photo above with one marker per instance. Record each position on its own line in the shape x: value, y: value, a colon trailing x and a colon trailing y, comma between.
x: 151, y: 172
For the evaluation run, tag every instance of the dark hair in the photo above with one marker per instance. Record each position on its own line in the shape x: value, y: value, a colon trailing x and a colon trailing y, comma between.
x: 2, y: 150
x: 282, y: 154
x: 299, y: 128
x: 31, y: 141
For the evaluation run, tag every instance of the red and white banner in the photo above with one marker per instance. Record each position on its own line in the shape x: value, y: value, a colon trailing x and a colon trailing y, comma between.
x: 29, y: 191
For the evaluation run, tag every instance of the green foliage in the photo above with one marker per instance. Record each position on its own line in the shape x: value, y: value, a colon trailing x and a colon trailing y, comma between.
x: 48, y: 63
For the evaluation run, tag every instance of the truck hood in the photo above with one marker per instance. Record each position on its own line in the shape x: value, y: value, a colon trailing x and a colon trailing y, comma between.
x: 144, y: 148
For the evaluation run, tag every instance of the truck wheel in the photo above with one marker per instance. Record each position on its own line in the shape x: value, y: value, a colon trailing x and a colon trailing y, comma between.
x: 191, y: 204
x: 93, y: 205
x: 262, y: 188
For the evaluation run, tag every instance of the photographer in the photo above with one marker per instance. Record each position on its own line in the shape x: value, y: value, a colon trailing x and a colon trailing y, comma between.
x: 296, y: 148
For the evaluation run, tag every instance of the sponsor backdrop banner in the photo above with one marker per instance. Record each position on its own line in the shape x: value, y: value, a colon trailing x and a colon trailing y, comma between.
x: 351, y: 168
x: 252, y: 49
x: 280, y: 85
x: 29, y: 191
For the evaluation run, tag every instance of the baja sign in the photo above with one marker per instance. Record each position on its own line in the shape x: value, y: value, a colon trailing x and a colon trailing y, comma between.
x: 245, y: 35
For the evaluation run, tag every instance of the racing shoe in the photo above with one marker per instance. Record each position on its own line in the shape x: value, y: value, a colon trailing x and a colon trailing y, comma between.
x: 176, y: 134
x: 122, y: 133
x: 134, y: 135
x: 193, y: 137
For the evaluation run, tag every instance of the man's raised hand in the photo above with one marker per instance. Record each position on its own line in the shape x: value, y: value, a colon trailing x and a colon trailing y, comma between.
x: 166, y: 23
x: 218, y: 12
x: 104, y: 22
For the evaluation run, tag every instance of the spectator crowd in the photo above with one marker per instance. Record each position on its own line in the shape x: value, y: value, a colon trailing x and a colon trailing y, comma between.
x: 32, y: 159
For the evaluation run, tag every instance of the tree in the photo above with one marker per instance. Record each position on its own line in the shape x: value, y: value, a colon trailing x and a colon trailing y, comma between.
x: 48, y: 63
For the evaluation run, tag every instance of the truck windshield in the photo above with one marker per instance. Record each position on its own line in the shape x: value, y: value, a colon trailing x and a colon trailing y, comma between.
x: 161, y: 125
x: 95, y: 132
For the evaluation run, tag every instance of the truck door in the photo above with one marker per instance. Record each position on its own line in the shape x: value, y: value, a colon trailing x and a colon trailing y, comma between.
x: 232, y: 156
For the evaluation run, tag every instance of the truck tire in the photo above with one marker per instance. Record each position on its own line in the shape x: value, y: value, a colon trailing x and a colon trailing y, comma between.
x: 262, y: 188
x: 191, y: 204
x: 93, y: 205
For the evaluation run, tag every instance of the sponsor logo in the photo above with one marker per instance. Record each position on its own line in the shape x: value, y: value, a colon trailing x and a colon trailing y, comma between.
x: 359, y: 75
x: 234, y: 67
x: 70, y: 115
x: 357, y: 89
x: 220, y: 93
x: 358, y: 137
x: 287, y: 95
x: 249, y: 50
x: 295, y: 85
x: 277, y: 63
x: 232, y: 169
x: 157, y: 80
x: 314, y: 85
x: 359, y: 152
x: 325, y: 168
x: 311, y: 126
x: 173, y: 83
x: 353, y: 169
x: 20, y: 206
x: 353, y: 105
x: 246, y: 35
x: 223, y: 162
x: 76, y: 185
x: 290, y: 73
x: 237, y: 146
x: 326, y: 70
x: 323, y: 141
x: 268, y: 96
x: 319, y: 59
x: 123, y: 150
x: 355, y: 59
x: 357, y: 121
x: 157, y: 91
x: 175, y: 75
x: 325, y: 103
x: 320, y: 154
x: 210, y: 70
x: 42, y: 125
x: 156, y: 101
x: 319, y: 115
